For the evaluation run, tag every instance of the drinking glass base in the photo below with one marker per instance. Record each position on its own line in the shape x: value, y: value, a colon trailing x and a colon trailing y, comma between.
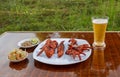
x: 97, y: 45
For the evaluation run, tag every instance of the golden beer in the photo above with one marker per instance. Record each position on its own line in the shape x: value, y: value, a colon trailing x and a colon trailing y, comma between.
x: 99, y: 27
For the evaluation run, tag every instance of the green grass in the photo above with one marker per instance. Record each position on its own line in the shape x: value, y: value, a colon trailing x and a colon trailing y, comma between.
x: 56, y: 15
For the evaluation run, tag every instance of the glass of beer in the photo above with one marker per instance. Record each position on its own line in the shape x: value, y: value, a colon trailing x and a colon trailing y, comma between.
x: 99, y: 28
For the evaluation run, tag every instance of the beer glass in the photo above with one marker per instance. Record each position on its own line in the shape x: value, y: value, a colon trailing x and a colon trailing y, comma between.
x: 99, y: 28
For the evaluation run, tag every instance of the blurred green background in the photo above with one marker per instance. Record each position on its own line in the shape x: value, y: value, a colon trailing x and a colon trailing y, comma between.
x: 56, y: 15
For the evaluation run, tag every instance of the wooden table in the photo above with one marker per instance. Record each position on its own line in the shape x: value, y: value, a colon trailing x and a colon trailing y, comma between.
x: 102, y: 63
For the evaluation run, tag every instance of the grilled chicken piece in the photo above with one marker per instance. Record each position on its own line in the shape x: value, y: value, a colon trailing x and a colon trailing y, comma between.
x: 73, y: 41
x: 44, y: 48
x: 49, y: 48
x: 60, y: 49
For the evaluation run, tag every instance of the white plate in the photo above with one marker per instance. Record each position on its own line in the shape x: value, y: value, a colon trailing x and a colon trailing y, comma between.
x: 65, y: 59
x: 22, y: 41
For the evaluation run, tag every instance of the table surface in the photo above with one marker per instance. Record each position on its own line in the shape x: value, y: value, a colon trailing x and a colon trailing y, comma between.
x: 101, y: 63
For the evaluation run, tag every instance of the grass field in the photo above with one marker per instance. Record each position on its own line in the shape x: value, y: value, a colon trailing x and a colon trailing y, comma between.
x: 56, y: 15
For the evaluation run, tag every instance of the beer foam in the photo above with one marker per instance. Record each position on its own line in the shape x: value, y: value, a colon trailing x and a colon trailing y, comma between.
x: 100, y: 21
